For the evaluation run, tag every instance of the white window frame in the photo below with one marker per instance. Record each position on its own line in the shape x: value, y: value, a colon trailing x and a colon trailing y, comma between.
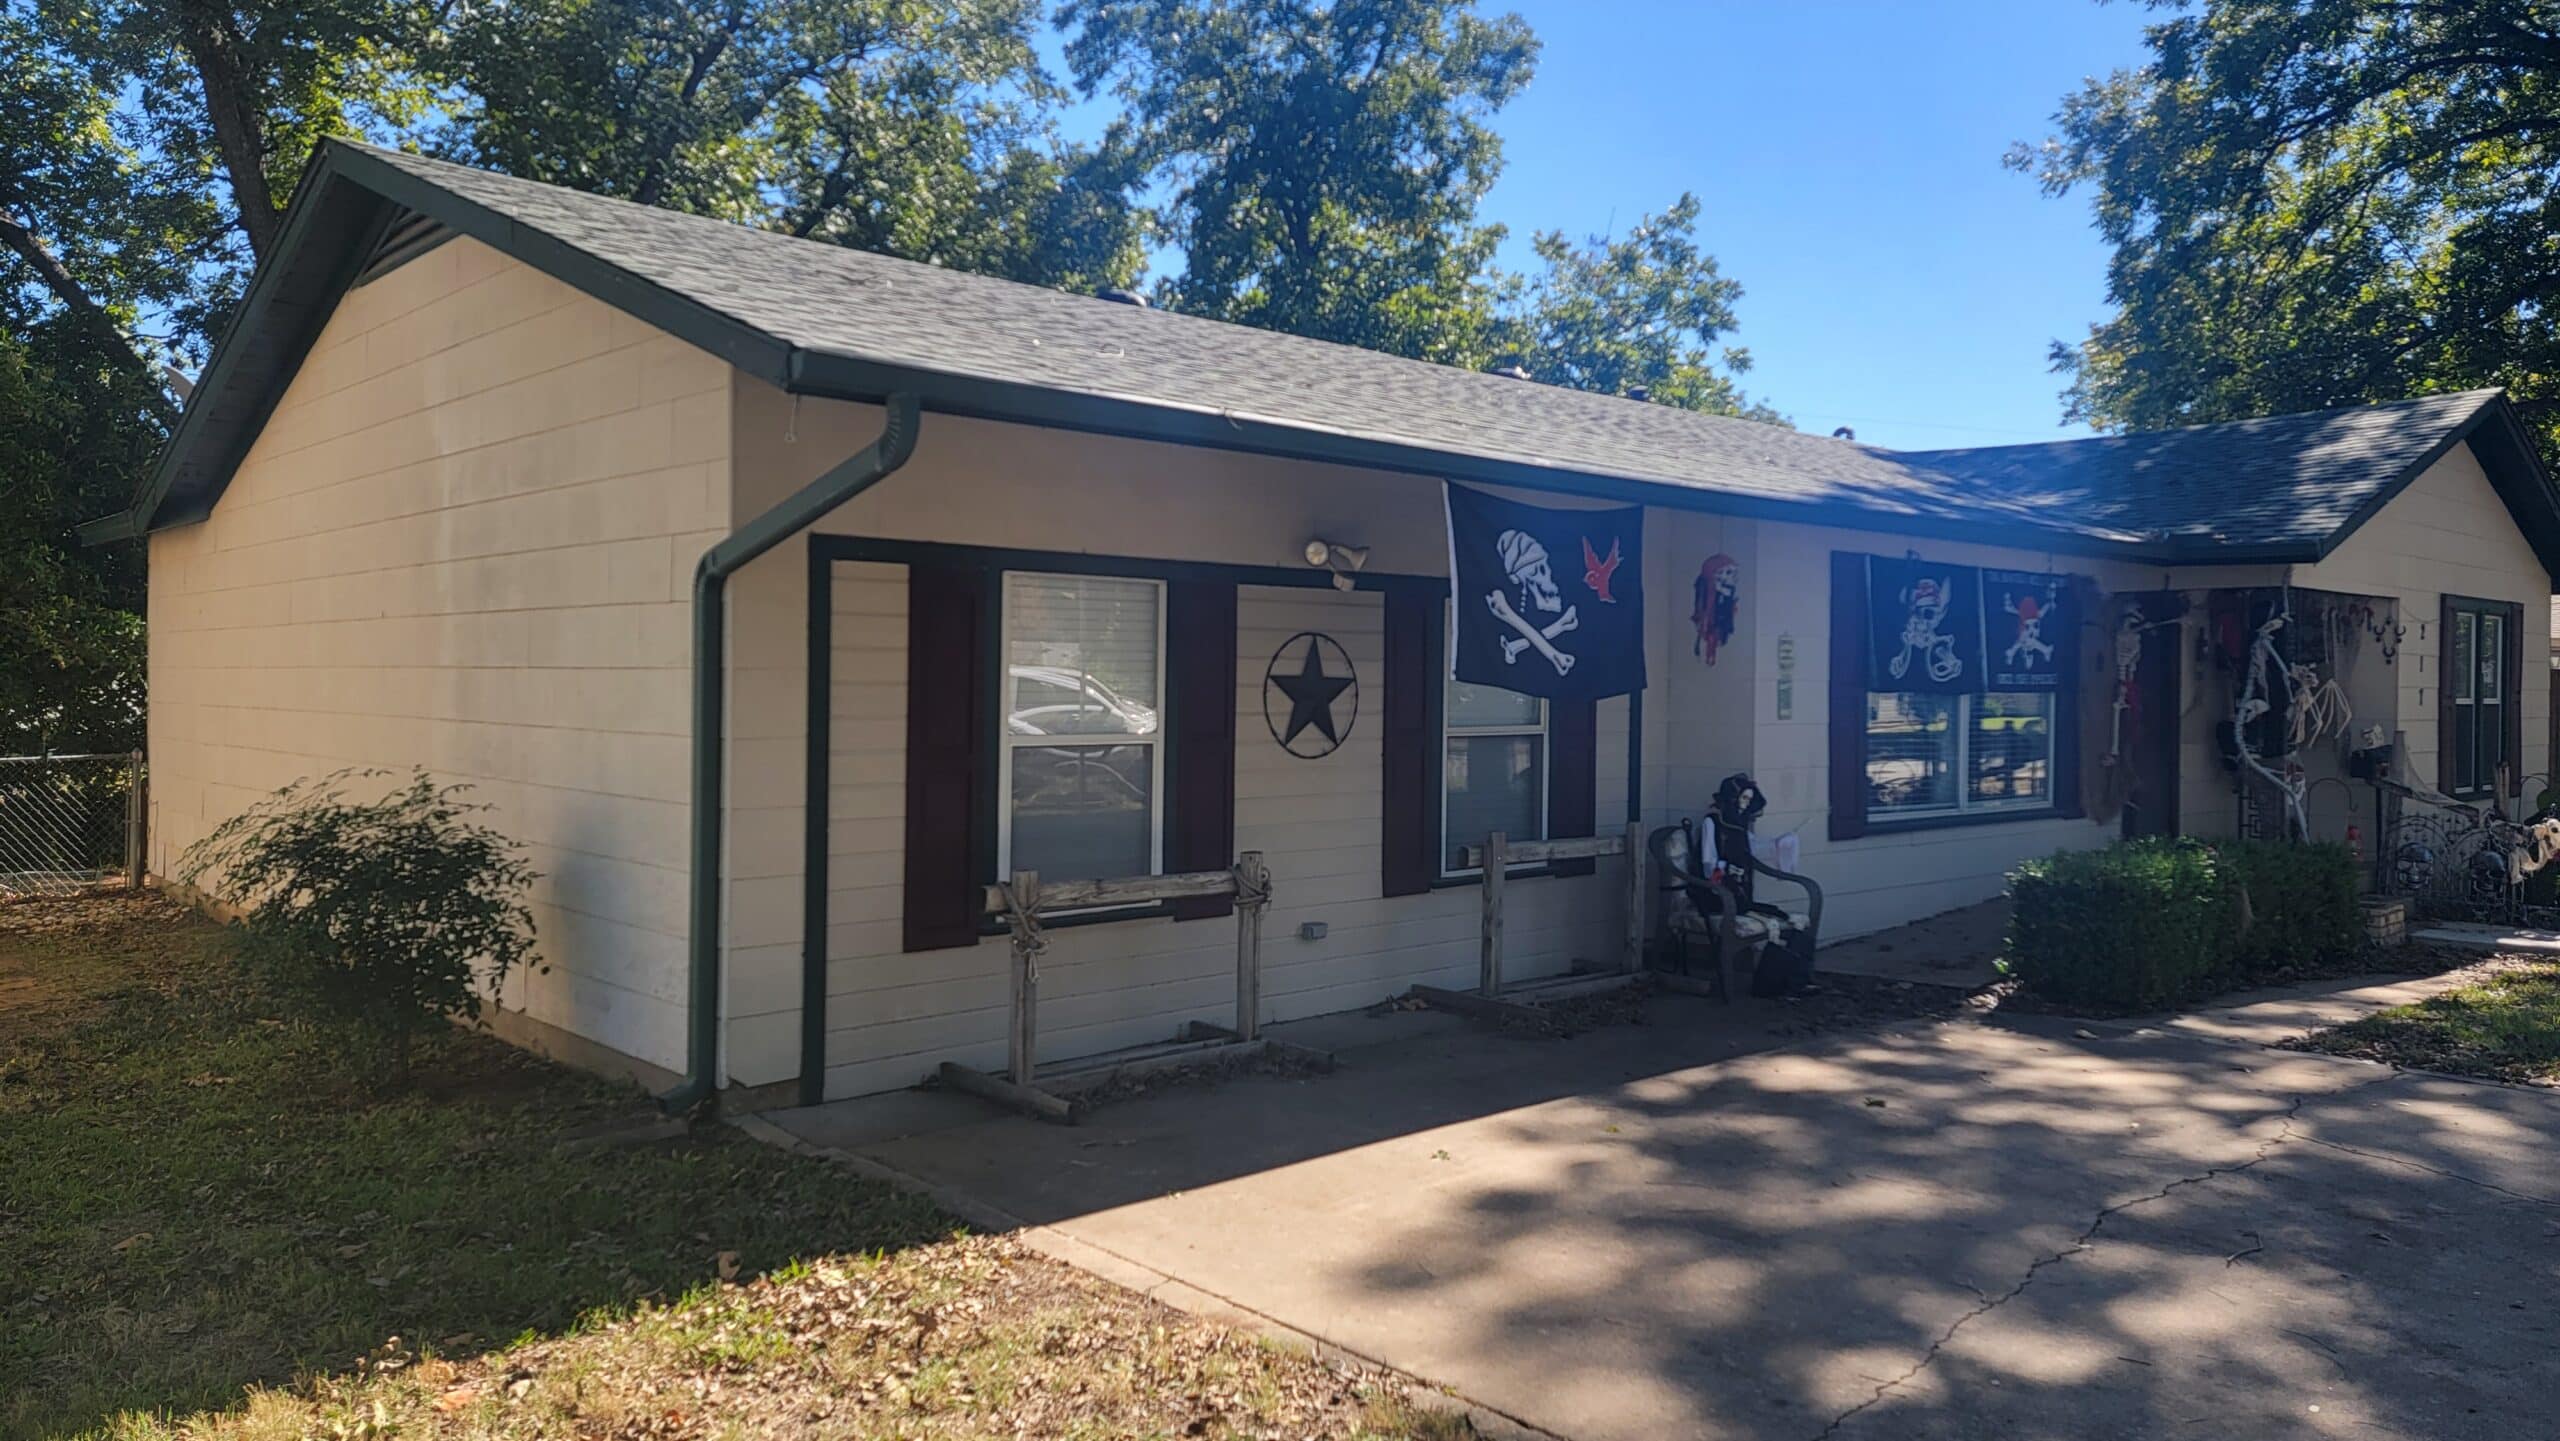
x: 1546, y: 775
x: 1965, y: 804
x: 1006, y: 740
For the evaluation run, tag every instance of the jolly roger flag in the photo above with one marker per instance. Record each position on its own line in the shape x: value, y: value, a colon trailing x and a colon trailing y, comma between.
x: 2027, y: 628
x: 1545, y: 602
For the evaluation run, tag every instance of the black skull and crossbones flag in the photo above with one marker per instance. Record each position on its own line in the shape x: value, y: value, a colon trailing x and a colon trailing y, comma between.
x: 1546, y: 602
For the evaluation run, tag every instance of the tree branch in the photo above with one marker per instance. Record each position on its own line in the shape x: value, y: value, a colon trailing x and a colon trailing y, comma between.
x: 75, y: 297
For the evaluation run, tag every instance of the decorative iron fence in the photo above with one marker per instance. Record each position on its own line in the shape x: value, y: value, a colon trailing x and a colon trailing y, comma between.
x: 69, y: 822
x: 2463, y: 863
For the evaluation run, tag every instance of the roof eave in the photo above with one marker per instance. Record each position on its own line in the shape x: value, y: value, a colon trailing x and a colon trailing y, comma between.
x: 830, y: 376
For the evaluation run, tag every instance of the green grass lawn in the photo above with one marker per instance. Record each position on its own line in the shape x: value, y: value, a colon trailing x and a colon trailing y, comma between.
x: 2504, y: 1026
x: 201, y: 1204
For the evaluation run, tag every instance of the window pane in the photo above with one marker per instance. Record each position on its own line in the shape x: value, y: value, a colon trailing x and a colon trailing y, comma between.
x: 1084, y: 812
x: 1484, y: 705
x: 2492, y: 666
x: 1911, y: 752
x: 2011, y: 756
x: 2458, y: 675
x: 1493, y: 783
x: 1080, y: 655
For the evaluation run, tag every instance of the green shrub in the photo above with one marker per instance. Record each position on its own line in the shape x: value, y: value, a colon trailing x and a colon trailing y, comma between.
x: 387, y: 917
x: 2145, y: 922
x: 2136, y: 924
x: 2302, y: 908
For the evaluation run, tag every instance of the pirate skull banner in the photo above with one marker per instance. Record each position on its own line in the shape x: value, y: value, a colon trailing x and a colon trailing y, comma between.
x: 2026, y: 621
x: 1924, y: 626
x: 1963, y: 630
x: 1547, y: 602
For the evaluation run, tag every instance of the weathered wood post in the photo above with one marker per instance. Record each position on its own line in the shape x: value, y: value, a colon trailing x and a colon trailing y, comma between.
x: 134, y: 812
x: 1489, y: 961
x: 1023, y: 1042
x: 1253, y: 892
x: 1634, y: 960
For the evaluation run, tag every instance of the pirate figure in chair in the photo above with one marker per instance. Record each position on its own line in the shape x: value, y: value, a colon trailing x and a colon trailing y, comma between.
x: 1710, y: 875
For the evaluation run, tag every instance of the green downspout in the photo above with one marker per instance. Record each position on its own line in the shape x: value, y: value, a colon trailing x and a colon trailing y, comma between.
x: 710, y: 672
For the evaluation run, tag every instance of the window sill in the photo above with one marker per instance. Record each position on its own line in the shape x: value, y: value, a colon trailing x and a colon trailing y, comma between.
x: 1509, y: 874
x: 995, y: 925
x: 1895, y: 826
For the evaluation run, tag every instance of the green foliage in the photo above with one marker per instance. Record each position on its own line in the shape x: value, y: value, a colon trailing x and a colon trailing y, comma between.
x: 389, y: 916
x: 917, y: 130
x: 1325, y: 158
x: 2302, y: 905
x: 2320, y: 202
x: 2137, y: 924
x: 1638, y: 314
x: 2147, y: 922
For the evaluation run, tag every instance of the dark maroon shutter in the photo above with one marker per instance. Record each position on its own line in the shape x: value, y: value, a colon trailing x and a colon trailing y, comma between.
x: 1200, y: 687
x: 2446, y: 781
x: 1573, y: 776
x: 2086, y: 601
x: 1848, y: 695
x: 2512, y: 704
x: 1409, y: 825
x: 948, y: 722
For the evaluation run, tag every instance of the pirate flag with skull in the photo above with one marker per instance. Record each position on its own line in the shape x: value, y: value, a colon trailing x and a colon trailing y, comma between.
x: 1546, y: 602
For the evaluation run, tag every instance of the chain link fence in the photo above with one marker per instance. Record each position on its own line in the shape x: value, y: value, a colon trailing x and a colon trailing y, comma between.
x: 68, y: 823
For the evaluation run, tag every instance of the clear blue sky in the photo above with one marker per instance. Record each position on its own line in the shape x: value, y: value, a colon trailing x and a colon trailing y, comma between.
x: 1896, y: 278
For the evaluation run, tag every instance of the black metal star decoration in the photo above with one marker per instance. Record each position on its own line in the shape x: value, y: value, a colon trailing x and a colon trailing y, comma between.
x: 1311, y: 695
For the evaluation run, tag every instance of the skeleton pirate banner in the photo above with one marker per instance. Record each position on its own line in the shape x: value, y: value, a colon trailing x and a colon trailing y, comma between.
x: 1963, y: 630
x: 1924, y: 626
x: 1547, y: 602
x: 2026, y: 622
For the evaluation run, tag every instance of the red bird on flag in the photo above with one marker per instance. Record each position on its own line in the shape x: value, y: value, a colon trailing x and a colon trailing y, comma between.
x: 1596, y: 572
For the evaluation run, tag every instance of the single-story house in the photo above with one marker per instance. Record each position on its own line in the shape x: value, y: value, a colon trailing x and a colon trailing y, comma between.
x: 979, y: 577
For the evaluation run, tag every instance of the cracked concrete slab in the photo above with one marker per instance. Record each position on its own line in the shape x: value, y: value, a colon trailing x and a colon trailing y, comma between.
x: 2012, y: 1229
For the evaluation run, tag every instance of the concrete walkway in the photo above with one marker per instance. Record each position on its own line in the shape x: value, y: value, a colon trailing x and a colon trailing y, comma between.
x: 1939, y: 1230
x: 1959, y: 948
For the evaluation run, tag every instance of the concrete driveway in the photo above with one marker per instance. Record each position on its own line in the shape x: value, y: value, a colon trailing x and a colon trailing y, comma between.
x: 1949, y: 1229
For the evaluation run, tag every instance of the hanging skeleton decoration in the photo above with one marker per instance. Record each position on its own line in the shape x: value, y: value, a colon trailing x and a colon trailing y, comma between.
x: 1524, y: 561
x: 2129, y: 628
x: 1716, y: 601
x: 1923, y: 637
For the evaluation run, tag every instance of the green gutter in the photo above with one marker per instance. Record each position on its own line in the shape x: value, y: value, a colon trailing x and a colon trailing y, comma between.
x: 710, y: 672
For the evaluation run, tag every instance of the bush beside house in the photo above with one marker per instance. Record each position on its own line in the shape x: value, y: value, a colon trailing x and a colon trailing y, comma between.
x: 2147, y: 922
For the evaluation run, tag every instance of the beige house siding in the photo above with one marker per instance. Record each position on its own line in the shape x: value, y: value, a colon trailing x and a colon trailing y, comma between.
x: 893, y: 1015
x: 464, y: 541
x: 2448, y: 533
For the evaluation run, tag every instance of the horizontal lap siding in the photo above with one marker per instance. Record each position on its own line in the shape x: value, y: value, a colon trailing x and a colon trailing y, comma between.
x: 892, y: 1016
x: 463, y: 542
x: 2448, y: 533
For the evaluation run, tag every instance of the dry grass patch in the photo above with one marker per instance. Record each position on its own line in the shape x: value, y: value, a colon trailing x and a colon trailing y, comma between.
x: 211, y: 1226
x: 970, y: 1338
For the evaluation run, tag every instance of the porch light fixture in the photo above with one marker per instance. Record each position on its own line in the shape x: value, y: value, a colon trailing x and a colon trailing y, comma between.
x: 1343, y: 560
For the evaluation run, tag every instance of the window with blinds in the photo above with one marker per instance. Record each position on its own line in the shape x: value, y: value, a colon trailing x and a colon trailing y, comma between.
x: 1081, y: 778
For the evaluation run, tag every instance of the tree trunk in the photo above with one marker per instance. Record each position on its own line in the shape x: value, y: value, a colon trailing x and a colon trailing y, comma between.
x: 239, y: 128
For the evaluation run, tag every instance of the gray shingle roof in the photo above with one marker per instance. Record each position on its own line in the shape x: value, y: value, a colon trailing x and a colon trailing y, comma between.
x: 2282, y: 479
x: 820, y: 319
x: 829, y: 300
